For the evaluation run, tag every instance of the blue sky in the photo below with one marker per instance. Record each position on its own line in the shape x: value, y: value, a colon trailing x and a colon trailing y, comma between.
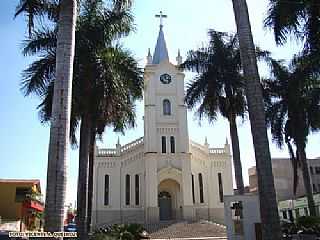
x: 24, y: 140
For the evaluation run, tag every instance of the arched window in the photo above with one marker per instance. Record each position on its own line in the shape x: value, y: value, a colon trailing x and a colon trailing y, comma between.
x: 172, y: 144
x: 127, y: 189
x: 220, y: 187
x: 201, y: 188
x: 106, y: 189
x: 192, y: 182
x: 137, y: 189
x: 163, y: 144
x: 166, y: 107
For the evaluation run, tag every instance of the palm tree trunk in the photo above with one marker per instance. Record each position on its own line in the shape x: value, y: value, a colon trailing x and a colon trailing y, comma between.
x: 90, y: 181
x: 306, y: 180
x: 82, y: 198
x: 267, y: 196
x: 60, y: 121
x: 236, y: 154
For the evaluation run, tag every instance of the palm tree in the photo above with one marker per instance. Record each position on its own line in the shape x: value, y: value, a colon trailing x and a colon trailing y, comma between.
x: 96, y: 63
x: 106, y: 82
x: 61, y: 104
x: 293, y: 111
x: 219, y: 87
x: 253, y: 91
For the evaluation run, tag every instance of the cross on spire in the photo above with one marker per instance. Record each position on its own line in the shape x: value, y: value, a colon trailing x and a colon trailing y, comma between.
x: 161, y: 16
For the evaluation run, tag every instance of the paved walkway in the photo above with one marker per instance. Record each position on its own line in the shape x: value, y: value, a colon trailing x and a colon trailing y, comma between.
x: 185, y: 231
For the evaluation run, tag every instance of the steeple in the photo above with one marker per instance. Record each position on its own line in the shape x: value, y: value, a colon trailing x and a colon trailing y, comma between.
x: 161, y: 51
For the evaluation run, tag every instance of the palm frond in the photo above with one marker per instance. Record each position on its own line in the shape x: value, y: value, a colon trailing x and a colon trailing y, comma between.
x: 120, y: 5
x: 37, y: 10
x: 39, y: 75
x: 126, y: 68
x: 40, y: 42
x: 285, y: 17
x: 196, y: 61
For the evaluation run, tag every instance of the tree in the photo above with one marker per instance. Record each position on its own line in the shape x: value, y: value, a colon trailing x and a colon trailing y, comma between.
x: 293, y: 111
x: 219, y: 87
x: 108, y: 76
x: 253, y: 91
x: 107, y: 81
x: 61, y: 104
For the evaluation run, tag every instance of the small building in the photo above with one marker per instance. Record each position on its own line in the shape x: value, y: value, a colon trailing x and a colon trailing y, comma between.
x: 294, y: 208
x: 21, y: 201
x: 283, y: 178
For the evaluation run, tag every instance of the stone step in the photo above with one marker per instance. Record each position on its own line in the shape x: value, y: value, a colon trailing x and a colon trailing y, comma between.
x: 186, y: 230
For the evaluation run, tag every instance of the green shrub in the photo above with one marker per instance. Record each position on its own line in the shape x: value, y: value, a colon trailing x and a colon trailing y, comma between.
x: 127, y: 231
x: 288, y: 227
x: 101, y: 236
x: 119, y: 231
x: 308, y: 221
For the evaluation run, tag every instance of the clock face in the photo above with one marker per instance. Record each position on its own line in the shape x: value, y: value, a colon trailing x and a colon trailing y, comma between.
x: 165, y: 78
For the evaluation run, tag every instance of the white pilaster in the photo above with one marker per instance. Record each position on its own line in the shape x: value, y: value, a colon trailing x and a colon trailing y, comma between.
x: 188, y: 210
x: 152, y: 210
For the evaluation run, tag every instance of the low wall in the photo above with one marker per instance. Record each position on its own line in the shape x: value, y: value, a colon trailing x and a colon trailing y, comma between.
x: 213, y: 214
x: 217, y: 215
x: 108, y: 217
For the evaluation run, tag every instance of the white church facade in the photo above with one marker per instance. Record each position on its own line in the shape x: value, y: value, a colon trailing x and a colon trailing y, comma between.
x: 162, y: 175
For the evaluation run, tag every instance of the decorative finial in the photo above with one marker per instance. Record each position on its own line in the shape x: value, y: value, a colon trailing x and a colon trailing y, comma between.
x: 149, y: 57
x: 206, y: 141
x: 118, y: 147
x: 179, y: 58
x: 161, y: 16
x: 227, y: 146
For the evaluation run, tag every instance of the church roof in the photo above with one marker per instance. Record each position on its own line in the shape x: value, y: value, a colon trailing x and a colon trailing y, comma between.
x: 161, y: 51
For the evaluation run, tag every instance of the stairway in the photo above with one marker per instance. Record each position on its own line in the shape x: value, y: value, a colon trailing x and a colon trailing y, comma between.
x: 154, y: 227
x: 186, y: 230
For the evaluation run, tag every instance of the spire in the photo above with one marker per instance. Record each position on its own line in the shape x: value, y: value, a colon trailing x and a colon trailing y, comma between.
x: 161, y: 51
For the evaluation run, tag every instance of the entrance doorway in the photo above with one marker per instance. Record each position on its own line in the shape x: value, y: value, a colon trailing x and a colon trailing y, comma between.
x: 165, y: 205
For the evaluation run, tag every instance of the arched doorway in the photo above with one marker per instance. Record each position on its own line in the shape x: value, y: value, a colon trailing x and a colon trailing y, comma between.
x: 169, y: 200
x: 165, y: 206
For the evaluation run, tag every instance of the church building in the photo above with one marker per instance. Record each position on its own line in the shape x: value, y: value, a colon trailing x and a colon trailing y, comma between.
x: 163, y: 175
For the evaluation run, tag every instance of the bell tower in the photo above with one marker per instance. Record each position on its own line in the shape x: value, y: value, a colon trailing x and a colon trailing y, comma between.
x: 166, y: 129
